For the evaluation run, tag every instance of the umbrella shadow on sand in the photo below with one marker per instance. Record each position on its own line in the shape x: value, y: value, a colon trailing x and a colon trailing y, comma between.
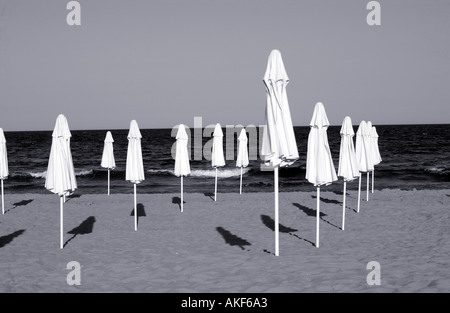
x: 72, y: 196
x: 84, y: 228
x: 177, y: 200
x: 311, y: 212
x: 308, y: 211
x: 329, y: 201
x: 209, y: 194
x: 232, y: 239
x: 140, y: 209
x: 4, y: 240
x: 270, y: 223
x: 20, y: 203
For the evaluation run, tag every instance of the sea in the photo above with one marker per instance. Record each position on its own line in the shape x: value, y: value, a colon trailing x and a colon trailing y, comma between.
x: 413, y: 157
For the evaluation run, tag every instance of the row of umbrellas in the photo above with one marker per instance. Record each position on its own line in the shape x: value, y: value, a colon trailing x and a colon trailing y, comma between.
x: 60, y: 177
x: 278, y: 149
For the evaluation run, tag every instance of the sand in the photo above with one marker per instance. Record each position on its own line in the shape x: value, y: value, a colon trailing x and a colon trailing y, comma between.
x: 228, y: 245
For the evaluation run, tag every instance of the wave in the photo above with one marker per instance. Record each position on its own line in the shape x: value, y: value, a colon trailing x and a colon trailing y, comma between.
x: 162, y: 172
x: 38, y: 174
x: 43, y: 174
x: 84, y: 173
x: 438, y: 171
x: 221, y: 173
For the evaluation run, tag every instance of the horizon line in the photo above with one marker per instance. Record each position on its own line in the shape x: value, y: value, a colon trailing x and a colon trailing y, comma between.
x: 166, y: 128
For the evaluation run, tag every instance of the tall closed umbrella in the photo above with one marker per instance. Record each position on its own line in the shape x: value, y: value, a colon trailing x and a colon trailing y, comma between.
x: 368, y: 139
x: 135, y: 167
x: 182, y: 167
x: 242, y: 156
x: 363, y: 155
x: 348, y: 166
x: 376, y: 157
x: 3, y: 164
x: 319, y: 164
x: 108, y: 155
x: 217, y: 159
x: 60, y: 178
x: 278, y: 147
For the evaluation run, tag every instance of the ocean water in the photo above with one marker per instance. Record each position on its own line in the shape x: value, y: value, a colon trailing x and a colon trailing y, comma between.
x: 414, y: 156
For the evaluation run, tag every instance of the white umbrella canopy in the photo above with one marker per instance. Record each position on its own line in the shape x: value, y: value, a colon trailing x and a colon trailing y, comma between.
x: 348, y: 166
x: 363, y: 155
x: 376, y: 157
x: 134, y: 171
x: 368, y: 138
x: 242, y: 156
x: 4, y: 173
x: 217, y: 158
x: 362, y: 148
x: 182, y: 167
x: 319, y: 164
x: 60, y: 177
x: 108, y: 160
x: 279, y: 147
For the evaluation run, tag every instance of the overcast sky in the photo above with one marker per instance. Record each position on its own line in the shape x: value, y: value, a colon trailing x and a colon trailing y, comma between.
x: 165, y: 62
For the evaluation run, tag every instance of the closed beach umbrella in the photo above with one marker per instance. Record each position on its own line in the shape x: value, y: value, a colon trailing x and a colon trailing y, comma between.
x: 217, y: 159
x: 135, y: 167
x: 368, y: 138
x: 3, y: 164
x: 242, y: 156
x: 363, y: 155
x: 376, y: 157
x: 108, y: 155
x: 319, y: 164
x: 60, y: 177
x: 348, y: 166
x: 278, y: 147
x: 182, y: 167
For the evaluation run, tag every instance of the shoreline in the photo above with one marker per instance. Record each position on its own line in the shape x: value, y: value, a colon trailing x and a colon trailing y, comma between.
x: 226, y: 246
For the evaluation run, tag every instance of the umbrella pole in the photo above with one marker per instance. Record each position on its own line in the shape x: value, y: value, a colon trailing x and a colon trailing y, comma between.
x: 373, y: 179
x: 368, y: 176
x: 359, y: 191
x: 240, y: 189
x: 317, y: 217
x: 61, y: 206
x: 181, y: 193
x: 343, y: 206
x: 3, y: 200
x: 108, y: 181
x: 135, y: 209
x: 277, y: 246
x: 215, y: 188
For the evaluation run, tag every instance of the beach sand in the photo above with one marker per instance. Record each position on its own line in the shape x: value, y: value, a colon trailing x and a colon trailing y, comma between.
x: 228, y: 245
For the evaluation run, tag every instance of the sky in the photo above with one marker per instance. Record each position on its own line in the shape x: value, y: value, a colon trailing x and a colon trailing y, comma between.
x: 165, y: 62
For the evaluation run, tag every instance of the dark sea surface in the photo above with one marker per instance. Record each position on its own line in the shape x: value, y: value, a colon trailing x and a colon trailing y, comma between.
x: 414, y: 156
